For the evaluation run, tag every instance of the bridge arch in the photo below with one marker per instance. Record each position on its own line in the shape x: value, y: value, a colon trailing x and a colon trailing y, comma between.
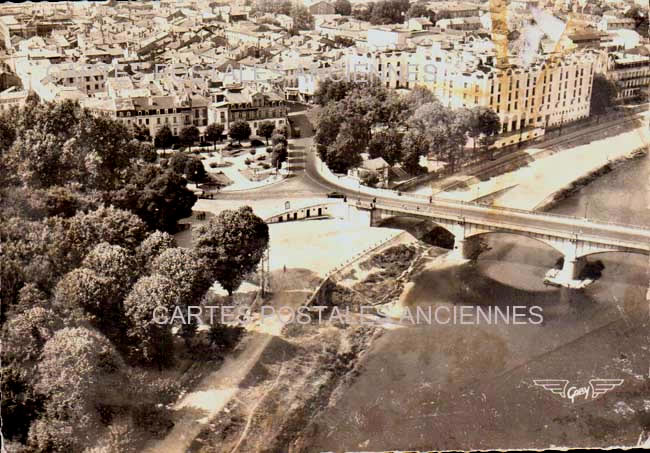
x: 421, y: 226
x: 591, y: 253
x: 549, y: 243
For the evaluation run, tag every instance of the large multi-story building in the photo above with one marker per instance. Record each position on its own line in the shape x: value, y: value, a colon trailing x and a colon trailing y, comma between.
x: 631, y: 73
x: 239, y: 103
x: 153, y: 112
x: 545, y: 94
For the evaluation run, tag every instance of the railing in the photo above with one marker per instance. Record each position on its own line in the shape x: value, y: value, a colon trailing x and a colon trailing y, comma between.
x: 371, y: 191
x: 517, y: 226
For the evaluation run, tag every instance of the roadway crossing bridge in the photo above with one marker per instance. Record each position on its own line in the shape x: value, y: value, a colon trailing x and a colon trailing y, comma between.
x: 575, y: 238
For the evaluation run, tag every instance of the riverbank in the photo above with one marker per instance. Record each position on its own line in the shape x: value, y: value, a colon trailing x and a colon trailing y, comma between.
x: 528, y: 187
x: 552, y: 200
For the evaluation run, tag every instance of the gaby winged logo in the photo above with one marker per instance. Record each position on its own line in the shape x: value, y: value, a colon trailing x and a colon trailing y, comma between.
x: 596, y: 388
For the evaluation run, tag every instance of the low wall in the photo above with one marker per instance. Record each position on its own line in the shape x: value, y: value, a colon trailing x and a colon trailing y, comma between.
x: 306, y: 212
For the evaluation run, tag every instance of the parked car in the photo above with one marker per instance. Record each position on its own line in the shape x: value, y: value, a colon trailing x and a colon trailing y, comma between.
x: 335, y: 195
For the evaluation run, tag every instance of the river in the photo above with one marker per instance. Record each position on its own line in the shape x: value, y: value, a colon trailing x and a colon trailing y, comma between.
x: 445, y: 386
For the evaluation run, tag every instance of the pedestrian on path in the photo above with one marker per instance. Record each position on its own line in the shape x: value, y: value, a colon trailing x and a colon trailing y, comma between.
x: 284, y: 268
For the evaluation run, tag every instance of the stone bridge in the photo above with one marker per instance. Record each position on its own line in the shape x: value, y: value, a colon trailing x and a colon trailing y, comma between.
x: 574, y: 238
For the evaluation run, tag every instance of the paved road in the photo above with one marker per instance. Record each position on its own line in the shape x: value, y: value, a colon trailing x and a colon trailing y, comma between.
x: 310, y: 183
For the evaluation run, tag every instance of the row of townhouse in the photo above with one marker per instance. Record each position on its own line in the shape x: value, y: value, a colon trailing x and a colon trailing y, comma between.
x: 244, y: 103
x: 223, y: 106
x: 153, y: 112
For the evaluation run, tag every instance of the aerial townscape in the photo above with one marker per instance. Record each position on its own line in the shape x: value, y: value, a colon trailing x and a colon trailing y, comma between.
x: 295, y: 226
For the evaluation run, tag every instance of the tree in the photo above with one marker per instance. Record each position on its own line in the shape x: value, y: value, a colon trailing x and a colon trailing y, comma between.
x: 79, y: 373
x: 343, y: 7
x: 266, y: 129
x: 224, y: 337
x: 27, y: 332
x: 83, y: 295
x: 415, y: 144
x: 71, y: 239
x: 386, y: 144
x: 152, y: 246
x: 232, y: 244
x: 330, y: 119
x: 20, y: 404
x: 419, y: 96
x: 151, y: 341
x: 484, y: 127
x: 302, y: 18
x: 160, y: 197
x: 421, y: 10
x: 114, y: 263
x: 279, y: 154
x: 76, y: 236
x: 189, y: 135
x: 333, y: 90
x: 603, y: 95
x: 7, y: 133
x: 188, y: 331
x: 345, y: 152
x: 194, y: 170
x: 178, y: 161
x: 140, y: 133
x: 61, y: 143
x: 445, y: 131
x: 164, y: 138
x: 213, y: 133
x: 240, y: 130
x: 186, y: 270
x: 279, y: 139
x: 389, y: 12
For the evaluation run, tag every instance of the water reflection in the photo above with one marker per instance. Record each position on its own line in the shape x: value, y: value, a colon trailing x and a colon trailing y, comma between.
x: 466, y: 386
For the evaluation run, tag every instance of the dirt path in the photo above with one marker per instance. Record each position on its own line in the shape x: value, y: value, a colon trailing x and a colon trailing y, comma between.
x: 196, y: 409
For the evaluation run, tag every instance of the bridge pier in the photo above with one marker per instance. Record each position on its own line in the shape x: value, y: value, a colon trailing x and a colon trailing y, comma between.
x: 572, y: 267
x: 569, y: 275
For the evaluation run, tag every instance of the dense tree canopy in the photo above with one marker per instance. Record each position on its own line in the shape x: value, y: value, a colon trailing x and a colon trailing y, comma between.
x: 189, y: 135
x: 214, y: 132
x: 240, y: 130
x: 80, y: 202
x: 232, y: 244
x: 266, y: 129
x: 159, y: 196
x: 399, y: 128
x: 164, y: 138
x: 151, y: 341
x: 343, y: 7
x: 79, y: 373
x: 189, y: 271
x: 603, y: 94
